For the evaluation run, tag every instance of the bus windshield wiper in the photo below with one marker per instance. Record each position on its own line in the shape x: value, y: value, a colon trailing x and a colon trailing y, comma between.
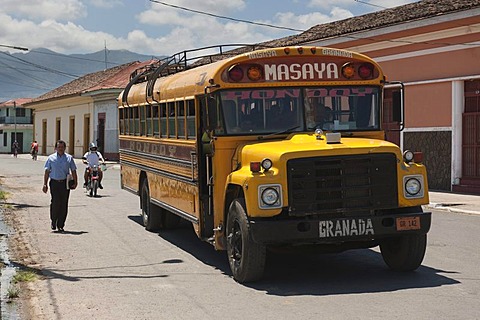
x: 277, y: 133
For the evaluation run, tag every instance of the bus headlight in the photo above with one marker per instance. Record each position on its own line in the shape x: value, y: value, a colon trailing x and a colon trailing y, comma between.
x: 270, y: 196
x: 413, y: 186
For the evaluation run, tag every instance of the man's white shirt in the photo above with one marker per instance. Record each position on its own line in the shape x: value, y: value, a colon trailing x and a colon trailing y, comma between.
x: 93, y: 158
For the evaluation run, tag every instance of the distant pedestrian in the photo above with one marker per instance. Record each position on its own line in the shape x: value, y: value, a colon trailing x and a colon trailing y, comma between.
x: 58, y: 168
x: 15, y: 148
x: 34, y: 150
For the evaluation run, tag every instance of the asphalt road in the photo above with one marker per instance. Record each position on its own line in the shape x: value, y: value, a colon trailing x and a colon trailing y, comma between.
x: 106, y: 266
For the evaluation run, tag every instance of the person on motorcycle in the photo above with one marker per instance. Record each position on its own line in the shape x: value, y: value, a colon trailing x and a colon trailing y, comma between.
x: 93, y: 158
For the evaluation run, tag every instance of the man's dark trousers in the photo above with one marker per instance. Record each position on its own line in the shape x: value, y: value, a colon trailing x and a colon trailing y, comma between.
x: 59, y: 204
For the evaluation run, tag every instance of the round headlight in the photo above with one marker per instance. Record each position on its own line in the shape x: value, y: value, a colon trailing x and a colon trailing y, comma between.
x: 413, y: 186
x: 270, y: 196
x: 408, y: 156
x: 267, y: 164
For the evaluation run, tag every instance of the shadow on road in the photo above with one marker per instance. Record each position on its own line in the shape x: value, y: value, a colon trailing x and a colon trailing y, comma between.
x: 303, y: 271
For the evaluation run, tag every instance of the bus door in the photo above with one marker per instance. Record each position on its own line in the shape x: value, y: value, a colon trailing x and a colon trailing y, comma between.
x: 205, y: 169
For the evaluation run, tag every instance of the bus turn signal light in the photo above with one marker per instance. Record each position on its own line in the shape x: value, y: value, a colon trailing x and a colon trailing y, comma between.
x: 254, y: 73
x: 348, y: 71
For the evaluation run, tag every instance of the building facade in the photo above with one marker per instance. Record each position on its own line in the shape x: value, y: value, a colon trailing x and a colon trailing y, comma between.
x: 81, y: 112
x: 16, y: 124
x: 433, y: 47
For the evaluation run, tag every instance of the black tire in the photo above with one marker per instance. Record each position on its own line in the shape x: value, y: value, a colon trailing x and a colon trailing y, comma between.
x: 246, y: 257
x: 404, y: 253
x: 150, y: 213
x: 95, y: 187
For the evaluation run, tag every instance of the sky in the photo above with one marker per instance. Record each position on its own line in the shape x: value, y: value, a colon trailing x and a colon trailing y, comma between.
x: 154, y: 28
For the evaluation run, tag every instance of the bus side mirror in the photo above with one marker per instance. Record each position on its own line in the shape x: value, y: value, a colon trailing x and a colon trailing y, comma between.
x: 398, y: 103
x: 397, y: 106
x: 211, y: 114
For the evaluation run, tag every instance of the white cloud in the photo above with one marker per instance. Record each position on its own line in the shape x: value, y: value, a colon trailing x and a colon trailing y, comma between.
x: 38, y: 10
x: 328, y: 4
x: 306, y: 21
x: 211, y: 6
x: 106, y: 3
x: 67, y: 37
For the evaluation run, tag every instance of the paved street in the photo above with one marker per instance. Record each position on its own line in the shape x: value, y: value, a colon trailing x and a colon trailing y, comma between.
x: 106, y: 266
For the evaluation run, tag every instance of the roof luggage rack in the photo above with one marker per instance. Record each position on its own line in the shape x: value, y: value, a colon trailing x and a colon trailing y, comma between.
x: 182, y: 61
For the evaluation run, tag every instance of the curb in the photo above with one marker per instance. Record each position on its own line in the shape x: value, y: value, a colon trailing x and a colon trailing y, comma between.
x: 441, y: 206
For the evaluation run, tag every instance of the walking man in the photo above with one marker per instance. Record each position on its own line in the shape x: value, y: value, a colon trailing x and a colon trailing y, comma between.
x: 15, y: 147
x: 58, y: 167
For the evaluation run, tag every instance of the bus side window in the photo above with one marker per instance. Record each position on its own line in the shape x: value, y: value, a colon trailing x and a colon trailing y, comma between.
x: 149, y: 124
x: 171, y: 119
x: 121, y: 123
x: 136, y: 121
x: 180, y: 121
x: 130, y: 121
x: 141, y: 110
x: 191, y: 132
x: 163, y: 120
x: 155, y: 120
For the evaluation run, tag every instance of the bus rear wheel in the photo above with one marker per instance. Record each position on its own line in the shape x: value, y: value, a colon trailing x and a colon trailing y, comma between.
x: 151, y: 214
x: 246, y: 257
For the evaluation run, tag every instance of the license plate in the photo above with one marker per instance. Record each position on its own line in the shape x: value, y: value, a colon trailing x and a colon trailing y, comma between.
x: 408, y: 223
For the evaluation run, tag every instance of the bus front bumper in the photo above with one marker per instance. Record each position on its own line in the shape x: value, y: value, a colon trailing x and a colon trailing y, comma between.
x: 338, y: 230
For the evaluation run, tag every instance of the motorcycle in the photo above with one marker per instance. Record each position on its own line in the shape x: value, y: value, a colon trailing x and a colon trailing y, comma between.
x: 92, y: 182
x: 34, y: 154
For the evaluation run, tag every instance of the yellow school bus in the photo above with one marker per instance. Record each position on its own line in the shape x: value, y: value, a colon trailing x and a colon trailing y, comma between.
x: 273, y: 147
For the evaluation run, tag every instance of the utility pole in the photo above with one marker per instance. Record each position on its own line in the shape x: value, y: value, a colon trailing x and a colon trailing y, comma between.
x: 106, y: 67
x: 15, y: 117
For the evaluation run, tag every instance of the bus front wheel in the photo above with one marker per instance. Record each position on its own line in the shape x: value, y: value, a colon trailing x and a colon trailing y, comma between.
x: 404, y: 253
x: 150, y: 213
x: 246, y: 257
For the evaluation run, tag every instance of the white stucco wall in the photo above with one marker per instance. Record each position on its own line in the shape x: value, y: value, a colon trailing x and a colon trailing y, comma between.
x: 109, y: 107
x: 77, y: 109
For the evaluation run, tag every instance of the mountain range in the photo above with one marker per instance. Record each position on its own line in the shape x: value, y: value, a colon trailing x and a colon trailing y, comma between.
x: 31, y: 74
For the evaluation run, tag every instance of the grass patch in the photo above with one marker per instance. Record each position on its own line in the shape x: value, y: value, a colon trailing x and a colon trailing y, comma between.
x: 3, y: 195
x: 13, y: 292
x: 25, y: 276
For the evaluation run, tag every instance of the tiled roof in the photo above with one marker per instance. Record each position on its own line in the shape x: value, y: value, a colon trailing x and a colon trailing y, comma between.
x: 113, y: 78
x: 18, y: 102
x: 380, y: 19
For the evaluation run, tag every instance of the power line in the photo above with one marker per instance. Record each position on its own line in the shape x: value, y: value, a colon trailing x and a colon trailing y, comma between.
x: 71, y: 57
x: 42, y: 67
x: 370, y: 4
x: 225, y: 17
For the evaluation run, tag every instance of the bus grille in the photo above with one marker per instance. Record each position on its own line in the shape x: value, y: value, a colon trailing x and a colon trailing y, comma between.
x: 342, y: 185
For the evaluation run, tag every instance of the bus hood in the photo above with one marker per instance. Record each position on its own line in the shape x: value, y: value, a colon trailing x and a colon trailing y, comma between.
x: 307, y: 145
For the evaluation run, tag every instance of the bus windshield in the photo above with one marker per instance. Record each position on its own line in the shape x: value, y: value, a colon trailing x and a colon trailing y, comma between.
x: 260, y: 111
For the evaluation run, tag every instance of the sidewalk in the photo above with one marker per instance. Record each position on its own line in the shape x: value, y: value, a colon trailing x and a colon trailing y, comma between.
x: 439, y: 200
x: 453, y: 202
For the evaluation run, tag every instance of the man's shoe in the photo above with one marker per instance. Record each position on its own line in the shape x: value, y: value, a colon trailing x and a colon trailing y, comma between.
x: 100, y: 186
x: 61, y: 230
x: 54, y: 226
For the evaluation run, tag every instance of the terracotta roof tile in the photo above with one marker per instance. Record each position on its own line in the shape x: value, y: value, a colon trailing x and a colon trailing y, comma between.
x: 380, y: 19
x: 112, y: 78
x: 18, y: 102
